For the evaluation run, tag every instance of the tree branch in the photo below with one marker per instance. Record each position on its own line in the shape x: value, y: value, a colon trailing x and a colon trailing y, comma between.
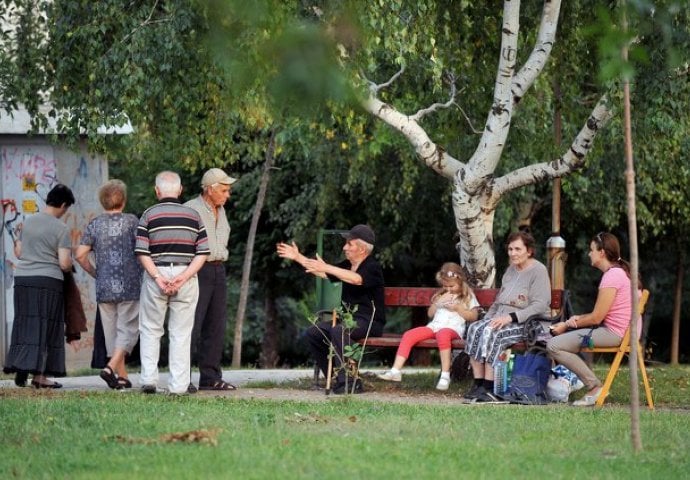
x: 469, y: 121
x: 374, y: 89
x: 570, y: 161
x: 436, y: 106
x: 146, y: 22
x: 485, y: 158
x: 536, y: 62
x: 431, y: 154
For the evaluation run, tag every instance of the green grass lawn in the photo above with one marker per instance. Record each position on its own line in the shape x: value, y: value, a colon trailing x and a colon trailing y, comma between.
x: 128, y: 435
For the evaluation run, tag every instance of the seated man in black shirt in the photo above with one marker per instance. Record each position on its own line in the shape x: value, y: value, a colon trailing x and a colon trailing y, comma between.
x: 363, y: 285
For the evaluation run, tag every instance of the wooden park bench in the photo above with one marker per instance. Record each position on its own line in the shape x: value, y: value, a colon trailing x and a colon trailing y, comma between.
x: 420, y: 298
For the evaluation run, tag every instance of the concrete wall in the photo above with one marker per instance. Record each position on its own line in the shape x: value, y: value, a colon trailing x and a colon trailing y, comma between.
x: 30, y: 167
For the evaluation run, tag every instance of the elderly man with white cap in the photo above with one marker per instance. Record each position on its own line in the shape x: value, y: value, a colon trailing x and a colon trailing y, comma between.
x: 363, y: 288
x: 210, y: 318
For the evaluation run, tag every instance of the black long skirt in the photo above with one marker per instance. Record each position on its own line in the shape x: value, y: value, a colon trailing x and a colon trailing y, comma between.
x: 38, y: 333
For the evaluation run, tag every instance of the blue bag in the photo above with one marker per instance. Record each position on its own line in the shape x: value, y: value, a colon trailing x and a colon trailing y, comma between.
x: 528, y: 382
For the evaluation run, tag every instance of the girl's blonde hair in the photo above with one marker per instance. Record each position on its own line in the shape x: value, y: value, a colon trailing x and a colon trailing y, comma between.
x: 451, y: 271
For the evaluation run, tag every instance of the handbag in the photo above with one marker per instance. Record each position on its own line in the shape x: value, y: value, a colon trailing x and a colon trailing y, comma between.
x: 530, y: 375
x: 536, y: 331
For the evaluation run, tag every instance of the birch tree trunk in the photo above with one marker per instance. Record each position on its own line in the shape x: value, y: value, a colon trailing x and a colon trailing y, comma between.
x: 476, y: 192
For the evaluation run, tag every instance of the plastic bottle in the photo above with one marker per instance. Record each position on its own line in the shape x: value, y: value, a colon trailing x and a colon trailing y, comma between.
x: 501, y: 374
x: 511, y: 361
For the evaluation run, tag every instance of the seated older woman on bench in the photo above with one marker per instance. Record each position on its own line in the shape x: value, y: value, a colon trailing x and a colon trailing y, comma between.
x: 525, y: 291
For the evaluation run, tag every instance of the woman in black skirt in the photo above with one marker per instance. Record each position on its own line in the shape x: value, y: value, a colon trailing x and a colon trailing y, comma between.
x: 44, y: 253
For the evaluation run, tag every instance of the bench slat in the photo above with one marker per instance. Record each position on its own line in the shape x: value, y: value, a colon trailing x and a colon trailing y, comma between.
x: 393, y: 340
x: 421, y: 296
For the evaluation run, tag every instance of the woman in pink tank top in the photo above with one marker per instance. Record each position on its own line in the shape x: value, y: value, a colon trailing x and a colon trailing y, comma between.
x: 604, y: 326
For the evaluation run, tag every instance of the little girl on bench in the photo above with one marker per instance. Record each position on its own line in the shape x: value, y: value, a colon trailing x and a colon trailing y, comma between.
x: 452, y: 306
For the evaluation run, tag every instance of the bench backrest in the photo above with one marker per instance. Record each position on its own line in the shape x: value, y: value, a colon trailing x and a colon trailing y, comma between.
x: 421, y: 296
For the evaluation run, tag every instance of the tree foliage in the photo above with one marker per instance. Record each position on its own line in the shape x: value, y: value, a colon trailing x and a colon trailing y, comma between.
x: 202, y: 83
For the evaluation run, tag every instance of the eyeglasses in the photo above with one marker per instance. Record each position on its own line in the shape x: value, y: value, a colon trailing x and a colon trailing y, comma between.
x: 600, y: 238
x: 450, y: 274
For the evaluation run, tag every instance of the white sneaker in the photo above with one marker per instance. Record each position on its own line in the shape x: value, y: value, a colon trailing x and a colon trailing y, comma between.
x: 588, y: 400
x: 390, y: 376
x: 443, y: 384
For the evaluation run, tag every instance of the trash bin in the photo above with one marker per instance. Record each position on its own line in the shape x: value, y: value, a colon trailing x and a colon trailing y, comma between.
x: 327, y: 293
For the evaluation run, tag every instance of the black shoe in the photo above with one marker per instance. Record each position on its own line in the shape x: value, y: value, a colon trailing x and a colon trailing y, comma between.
x: 191, y: 388
x: 148, y: 389
x: 40, y: 385
x: 20, y: 379
x: 474, y: 392
x: 358, y: 387
x: 489, y: 398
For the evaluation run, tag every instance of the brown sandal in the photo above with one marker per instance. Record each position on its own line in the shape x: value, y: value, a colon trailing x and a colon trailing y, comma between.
x: 109, y: 377
x: 123, y: 382
x: 218, y: 385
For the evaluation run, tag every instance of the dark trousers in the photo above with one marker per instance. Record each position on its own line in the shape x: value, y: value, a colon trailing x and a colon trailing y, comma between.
x: 318, y: 336
x: 210, y: 319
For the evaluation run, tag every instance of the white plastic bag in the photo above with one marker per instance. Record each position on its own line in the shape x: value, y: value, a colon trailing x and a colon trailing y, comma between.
x: 558, y: 389
x: 561, y: 371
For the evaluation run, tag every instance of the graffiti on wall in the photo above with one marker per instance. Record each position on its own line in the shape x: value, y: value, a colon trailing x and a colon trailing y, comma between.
x: 28, y: 174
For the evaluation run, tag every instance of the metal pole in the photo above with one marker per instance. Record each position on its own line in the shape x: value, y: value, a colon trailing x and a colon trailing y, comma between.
x: 319, y: 280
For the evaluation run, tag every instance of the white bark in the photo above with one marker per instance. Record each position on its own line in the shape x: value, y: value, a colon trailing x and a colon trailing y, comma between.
x: 476, y: 193
x: 431, y: 154
x: 541, y: 51
x: 488, y: 153
x: 571, y: 160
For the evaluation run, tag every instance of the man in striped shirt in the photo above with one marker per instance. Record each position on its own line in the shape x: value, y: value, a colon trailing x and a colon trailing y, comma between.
x: 172, y: 247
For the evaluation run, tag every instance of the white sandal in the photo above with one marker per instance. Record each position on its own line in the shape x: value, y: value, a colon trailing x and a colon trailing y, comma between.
x: 390, y: 376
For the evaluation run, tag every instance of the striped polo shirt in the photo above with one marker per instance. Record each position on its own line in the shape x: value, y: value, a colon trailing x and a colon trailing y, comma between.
x: 169, y: 232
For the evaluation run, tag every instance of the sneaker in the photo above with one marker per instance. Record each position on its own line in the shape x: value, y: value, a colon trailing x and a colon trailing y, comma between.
x: 588, y: 400
x: 168, y: 393
x: 358, y: 387
x: 443, y: 384
x: 474, y: 392
x: 148, y: 389
x: 390, y: 376
x: 487, y: 398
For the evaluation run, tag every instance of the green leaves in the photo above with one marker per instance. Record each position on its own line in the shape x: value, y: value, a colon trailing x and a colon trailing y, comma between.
x: 633, y: 25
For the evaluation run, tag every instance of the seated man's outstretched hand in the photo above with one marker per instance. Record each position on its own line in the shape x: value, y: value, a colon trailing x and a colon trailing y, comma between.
x: 289, y: 251
x: 316, y: 265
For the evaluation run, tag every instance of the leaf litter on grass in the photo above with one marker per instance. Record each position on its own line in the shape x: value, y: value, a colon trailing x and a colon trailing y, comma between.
x: 203, y: 436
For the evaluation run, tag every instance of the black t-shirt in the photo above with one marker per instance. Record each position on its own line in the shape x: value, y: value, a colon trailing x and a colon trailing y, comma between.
x: 371, y: 290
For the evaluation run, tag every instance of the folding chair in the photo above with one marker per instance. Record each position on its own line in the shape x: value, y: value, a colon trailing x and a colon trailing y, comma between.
x: 622, y: 349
